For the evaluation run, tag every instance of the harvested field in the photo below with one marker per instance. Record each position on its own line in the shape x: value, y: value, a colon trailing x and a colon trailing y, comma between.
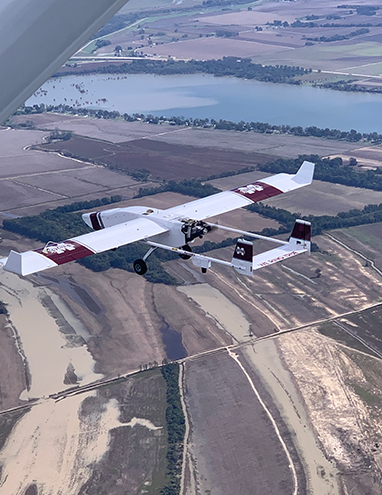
x: 161, y: 159
x: 116, y: 131
x: 234, y: 448
x: 365, y: 239
x: 333, y: 378
x: 213, y: 48
x: 32, y: 181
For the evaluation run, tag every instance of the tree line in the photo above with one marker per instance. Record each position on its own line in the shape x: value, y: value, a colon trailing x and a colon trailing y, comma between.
x: 227, y: 66
x: 242, y: 126
x: 175, y: 429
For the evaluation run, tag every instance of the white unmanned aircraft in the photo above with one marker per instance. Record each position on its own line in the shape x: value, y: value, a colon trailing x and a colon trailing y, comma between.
x: 174, y: 229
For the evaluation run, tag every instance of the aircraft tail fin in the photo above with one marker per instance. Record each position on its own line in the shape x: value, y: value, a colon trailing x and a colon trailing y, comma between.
x: 300, y: 236
x: 242, y: 259
x: 305, y: 173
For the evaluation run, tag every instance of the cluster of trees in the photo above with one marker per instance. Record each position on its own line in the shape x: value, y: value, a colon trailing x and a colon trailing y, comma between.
x: 340, y: 37
x: 361, y: 9
x: 223, y: 3
x: 329, y: 170
x: 227, y: 66
x: 190, y: 187
x: 101, y: 43
x: 58, y: 135
x: 349, y: 85
x: 302, y: 24
x: 175, y: 429
x: 223, y: 33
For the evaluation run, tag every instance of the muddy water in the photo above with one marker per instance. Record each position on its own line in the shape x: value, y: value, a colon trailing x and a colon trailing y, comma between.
x: 320, y: 473
x: 55, y: 444
x: 47, y: 351
x: 226, y: 314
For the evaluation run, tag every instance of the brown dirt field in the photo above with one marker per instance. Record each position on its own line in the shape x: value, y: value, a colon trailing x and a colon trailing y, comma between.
x: 234, y: 446
x: 161, y: 159
x: 13, y: 379
x: 117, y: 131
x: 213, y: 48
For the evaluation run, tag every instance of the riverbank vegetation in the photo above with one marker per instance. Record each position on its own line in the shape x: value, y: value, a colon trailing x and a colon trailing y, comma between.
x: 227, y: 66
x: 260, y: 127
x: 175, y: 429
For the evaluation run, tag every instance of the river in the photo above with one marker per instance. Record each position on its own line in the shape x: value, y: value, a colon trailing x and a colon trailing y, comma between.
x: 206, y: 96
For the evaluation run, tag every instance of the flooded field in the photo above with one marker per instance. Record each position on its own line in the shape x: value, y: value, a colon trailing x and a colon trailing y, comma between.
x: 227, y: 315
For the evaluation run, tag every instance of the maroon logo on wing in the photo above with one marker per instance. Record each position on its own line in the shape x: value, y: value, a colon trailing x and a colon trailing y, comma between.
x: 63, y: 252
x: 257, y: 191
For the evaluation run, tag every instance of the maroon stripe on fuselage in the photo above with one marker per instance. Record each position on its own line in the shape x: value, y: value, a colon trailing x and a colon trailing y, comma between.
x: 63, y: 252
x: 257, y: 191
x: 94, y: 218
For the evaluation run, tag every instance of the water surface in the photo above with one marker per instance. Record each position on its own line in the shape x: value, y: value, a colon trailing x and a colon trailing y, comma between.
x: 206, y: 96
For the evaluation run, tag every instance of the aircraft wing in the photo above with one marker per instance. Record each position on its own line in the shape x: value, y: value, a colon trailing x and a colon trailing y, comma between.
x: 54, y: 254
x: 219, y: 203
x: 37, y: 37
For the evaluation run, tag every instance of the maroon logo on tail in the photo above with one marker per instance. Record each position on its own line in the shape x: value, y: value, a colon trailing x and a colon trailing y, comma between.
x: 243, y: 250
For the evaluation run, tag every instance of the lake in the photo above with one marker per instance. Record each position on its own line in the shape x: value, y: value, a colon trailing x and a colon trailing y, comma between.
x: 206, y: 96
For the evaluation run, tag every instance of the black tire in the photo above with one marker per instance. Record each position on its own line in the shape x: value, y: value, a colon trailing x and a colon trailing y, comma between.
x: 140, y: 267
x: 186, y: 247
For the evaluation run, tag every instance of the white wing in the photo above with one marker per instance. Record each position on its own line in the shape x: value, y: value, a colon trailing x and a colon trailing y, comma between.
x: 217, y: 204
x: 54, y: 254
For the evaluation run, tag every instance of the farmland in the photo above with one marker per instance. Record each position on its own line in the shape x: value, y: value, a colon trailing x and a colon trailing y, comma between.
x: 276, y: 33
x: 124, y: 323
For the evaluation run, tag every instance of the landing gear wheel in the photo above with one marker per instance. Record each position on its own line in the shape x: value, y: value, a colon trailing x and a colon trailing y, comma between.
x: 140, y: 267
x: 186, y: 247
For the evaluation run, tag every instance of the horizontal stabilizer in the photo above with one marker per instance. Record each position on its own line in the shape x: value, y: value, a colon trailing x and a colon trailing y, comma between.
x: 299, y: 242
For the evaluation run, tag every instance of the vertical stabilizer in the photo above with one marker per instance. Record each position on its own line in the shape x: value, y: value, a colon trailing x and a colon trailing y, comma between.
x: 300, y: 236
x: 242, y: 259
